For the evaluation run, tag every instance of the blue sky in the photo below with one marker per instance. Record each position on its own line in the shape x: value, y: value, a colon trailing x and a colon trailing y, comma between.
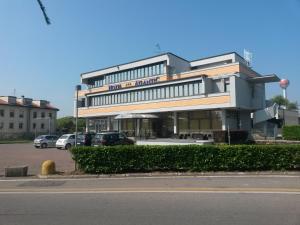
x: 45, y: 62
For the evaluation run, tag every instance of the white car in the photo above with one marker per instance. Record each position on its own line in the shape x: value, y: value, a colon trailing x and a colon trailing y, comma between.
x: 66, y: 141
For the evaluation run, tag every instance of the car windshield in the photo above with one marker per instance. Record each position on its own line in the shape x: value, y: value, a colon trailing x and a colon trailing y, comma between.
x: 64, y: 137
x: 40, y: 137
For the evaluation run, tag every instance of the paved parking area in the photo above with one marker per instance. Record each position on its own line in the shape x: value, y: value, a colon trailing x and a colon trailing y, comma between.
x: 26, y: 154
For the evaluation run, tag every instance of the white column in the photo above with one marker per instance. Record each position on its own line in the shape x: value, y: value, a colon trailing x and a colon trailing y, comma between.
x: 87, y: 128
x: 224, y: 122
x: 108, y: 124
x: 137, y: 127
x: 175, y: 120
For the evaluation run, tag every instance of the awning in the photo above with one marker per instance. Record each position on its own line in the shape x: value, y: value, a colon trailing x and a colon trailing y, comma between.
x: 265, y: 79
x: 135, y: 116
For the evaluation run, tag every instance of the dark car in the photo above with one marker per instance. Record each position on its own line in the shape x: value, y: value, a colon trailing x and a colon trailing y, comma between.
x: 85, y: 139
x: 111, y: 138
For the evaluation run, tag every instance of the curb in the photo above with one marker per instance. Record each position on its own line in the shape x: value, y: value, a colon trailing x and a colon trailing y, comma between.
x: 177, y: 174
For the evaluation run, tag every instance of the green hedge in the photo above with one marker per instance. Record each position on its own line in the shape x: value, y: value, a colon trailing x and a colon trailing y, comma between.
x: 291, y: 132
x: 143, y: 158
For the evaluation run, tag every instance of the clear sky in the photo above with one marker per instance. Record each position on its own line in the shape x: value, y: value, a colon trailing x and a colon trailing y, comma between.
x: 45, y: 62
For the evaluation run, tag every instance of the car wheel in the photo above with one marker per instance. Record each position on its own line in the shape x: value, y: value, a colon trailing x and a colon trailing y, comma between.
x: 68, y: 146
x: 44, y: 145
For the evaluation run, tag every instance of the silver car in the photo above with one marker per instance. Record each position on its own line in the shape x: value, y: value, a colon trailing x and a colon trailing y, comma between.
x: 66, y: 141
x: 45, y: 141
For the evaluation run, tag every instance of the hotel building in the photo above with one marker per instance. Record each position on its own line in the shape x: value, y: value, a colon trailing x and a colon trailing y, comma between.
x: 167, y: 96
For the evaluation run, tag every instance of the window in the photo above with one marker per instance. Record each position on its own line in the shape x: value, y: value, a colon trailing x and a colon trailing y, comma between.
x: 21, y: 115
x: 2, y: 112
x: 172, y: 92
x: 167, y: 92
x: 42, y: 126
x: 196, y: 88
x: 20, y: 126
x: 176, y: 91
x: 191, y: 89
x: 185, y: 90
x: 33, y: 126
x: 43, y: 115
x: 11, y: 125
x: 34, y: 115
x: 226, y: 85
x: 180, y: 92
x: 12, y: 114
x: 1, y: 125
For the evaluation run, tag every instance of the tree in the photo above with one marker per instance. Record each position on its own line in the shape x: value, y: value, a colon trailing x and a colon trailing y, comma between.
x: 292, y: 105
x: 281, y: 101
x: 67, y: 124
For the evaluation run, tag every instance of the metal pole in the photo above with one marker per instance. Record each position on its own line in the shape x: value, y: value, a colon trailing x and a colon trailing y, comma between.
x: 228, y: 134
x: 49, y: 126
x: 78, y: 87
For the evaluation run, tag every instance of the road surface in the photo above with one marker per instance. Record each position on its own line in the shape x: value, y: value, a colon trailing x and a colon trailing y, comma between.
x: 242, y: 200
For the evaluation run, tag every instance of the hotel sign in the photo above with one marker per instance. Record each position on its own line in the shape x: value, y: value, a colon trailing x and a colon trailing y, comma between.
x: 137, y: 83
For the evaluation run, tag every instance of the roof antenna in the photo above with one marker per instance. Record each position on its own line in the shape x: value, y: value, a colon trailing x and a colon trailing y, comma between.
x: 248, y: 56
x: 14, y: 92
x: 158, y: 49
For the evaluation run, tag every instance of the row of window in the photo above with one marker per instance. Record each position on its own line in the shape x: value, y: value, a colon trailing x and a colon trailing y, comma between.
x: 12, y: 126
x: 21, y: 114
x: 164, y: 92
x: 132, y: 74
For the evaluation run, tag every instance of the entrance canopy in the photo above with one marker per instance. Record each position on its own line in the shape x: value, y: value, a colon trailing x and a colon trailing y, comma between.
x: 135, y: 116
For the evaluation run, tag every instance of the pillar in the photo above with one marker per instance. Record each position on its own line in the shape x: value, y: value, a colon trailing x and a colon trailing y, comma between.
x: 87, y: 125
x: 138, y: 121
x: 108, y: 124
x: 175, y: 122
x: 224, y: 122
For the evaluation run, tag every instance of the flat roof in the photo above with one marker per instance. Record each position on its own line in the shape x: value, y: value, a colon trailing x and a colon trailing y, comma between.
x: 265, y: 79
x: 151, y: 57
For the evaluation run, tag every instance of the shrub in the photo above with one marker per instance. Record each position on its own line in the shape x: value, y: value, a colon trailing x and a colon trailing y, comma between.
x: 291, y: 132
x: 145, y: 158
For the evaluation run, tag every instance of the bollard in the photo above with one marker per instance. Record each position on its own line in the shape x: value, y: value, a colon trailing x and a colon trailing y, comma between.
x: 48, y: 167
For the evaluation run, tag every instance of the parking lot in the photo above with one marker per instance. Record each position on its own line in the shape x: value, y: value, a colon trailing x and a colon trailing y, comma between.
x: 27, y: 154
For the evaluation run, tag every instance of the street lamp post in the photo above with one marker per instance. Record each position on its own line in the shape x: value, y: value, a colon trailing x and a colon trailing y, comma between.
x: 78, y: 88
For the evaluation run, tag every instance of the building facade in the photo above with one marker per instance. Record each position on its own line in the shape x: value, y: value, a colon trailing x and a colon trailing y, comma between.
x: 24, y: 117
x: 167, y: 96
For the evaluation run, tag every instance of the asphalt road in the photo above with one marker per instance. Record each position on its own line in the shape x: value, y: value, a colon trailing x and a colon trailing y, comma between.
x: 150, y: 208
x: 242, y: 200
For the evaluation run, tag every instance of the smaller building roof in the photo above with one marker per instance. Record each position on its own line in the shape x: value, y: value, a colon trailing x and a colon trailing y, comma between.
x: 32, y: 104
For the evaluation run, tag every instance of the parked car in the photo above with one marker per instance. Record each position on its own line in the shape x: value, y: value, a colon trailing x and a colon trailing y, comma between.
x: 111, y: 138
x: 85, y: 139
x: 66, y: 141
x: 45, y: 141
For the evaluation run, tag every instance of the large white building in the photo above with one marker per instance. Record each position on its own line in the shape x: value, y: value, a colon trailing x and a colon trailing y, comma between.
x: 24, y: 117
x: 168, y: 96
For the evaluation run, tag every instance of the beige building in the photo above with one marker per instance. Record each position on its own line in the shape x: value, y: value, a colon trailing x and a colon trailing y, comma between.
x: 167, y: 96
x: 24, y: 117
